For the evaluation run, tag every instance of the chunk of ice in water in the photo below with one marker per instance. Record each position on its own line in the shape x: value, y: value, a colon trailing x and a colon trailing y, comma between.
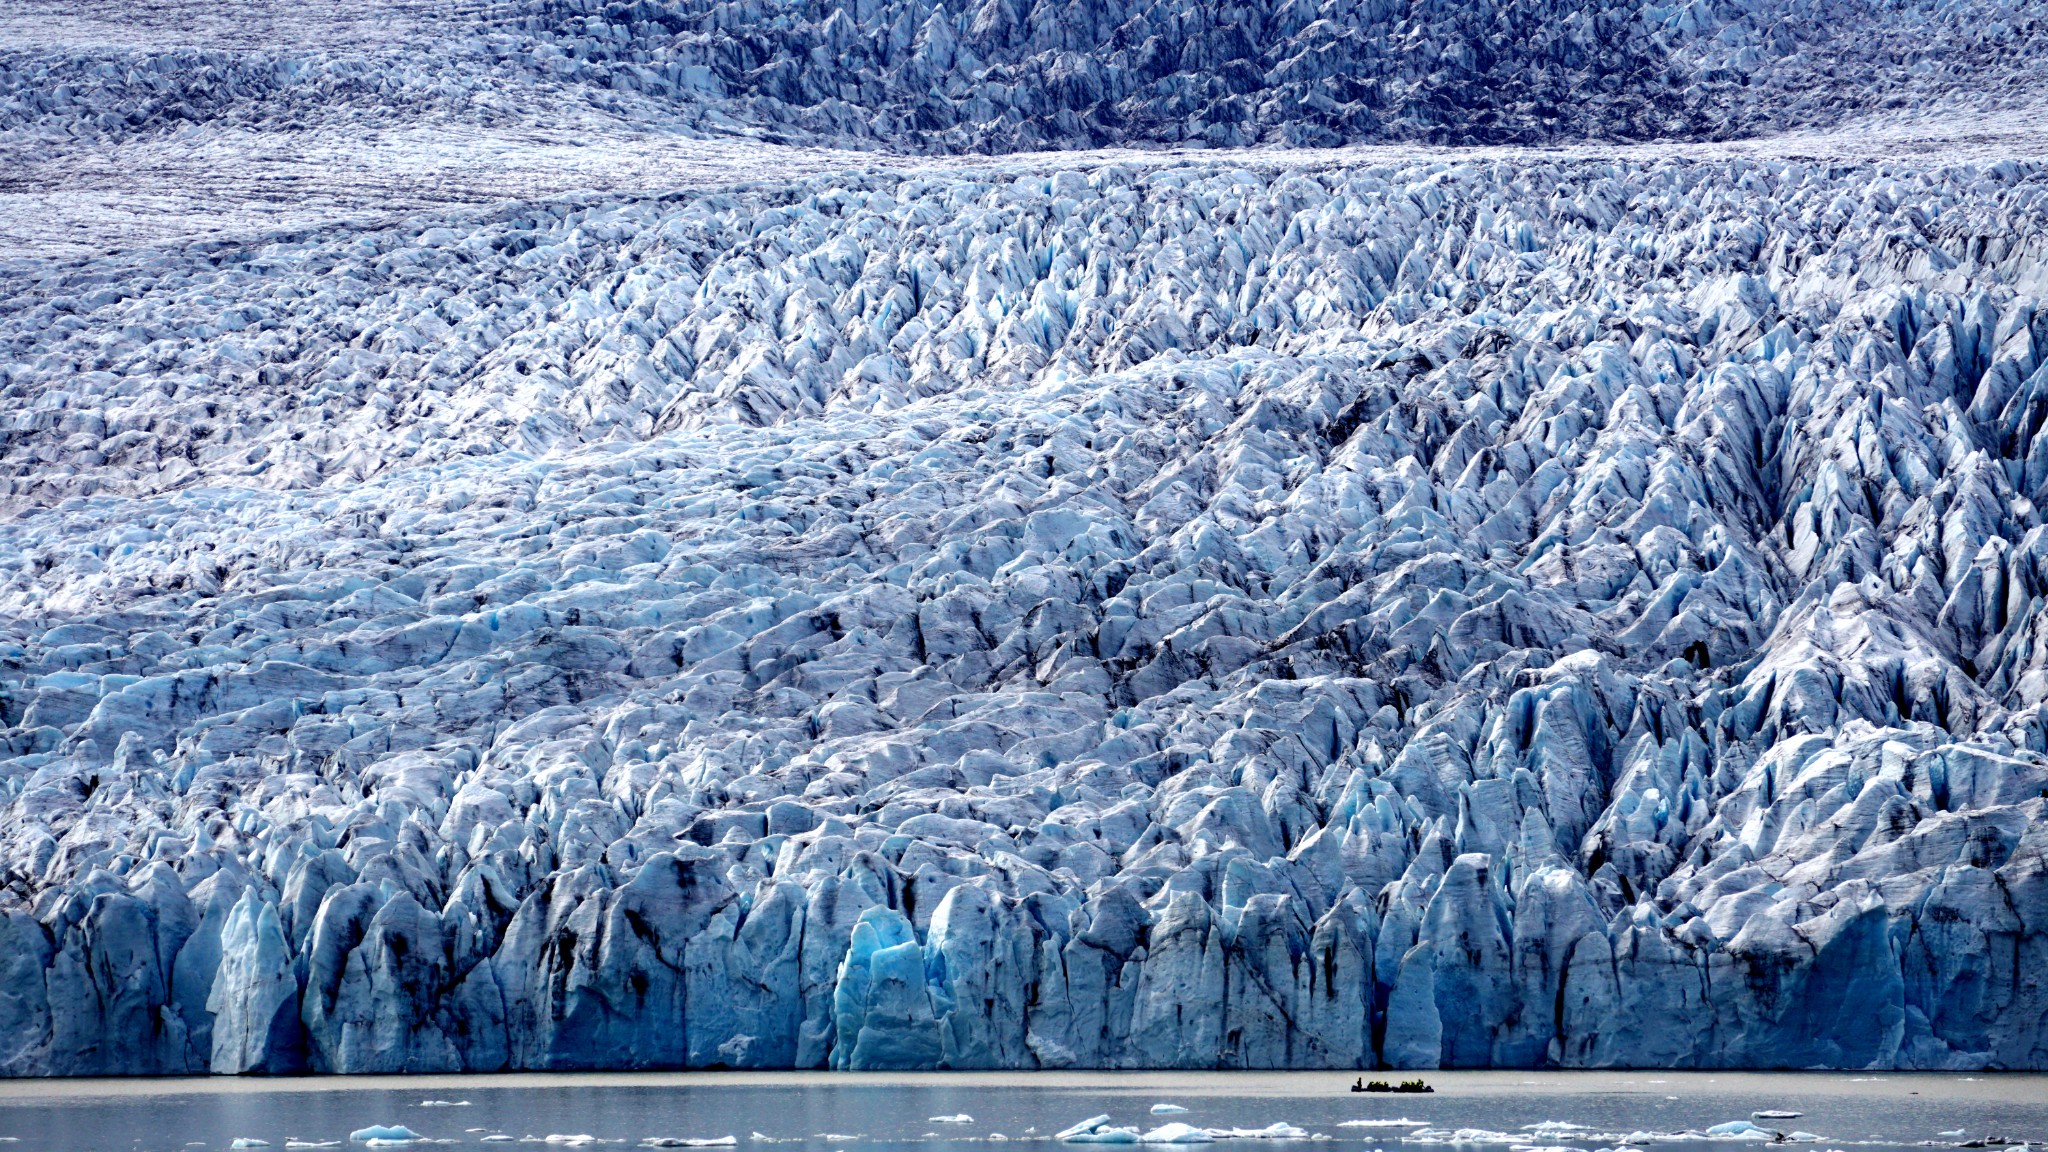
x: 1176, y: 1133
x: 690, y: 1142
x: 385, y: 1132
x: 1167, y: 1109
x: 1088, y: 1125
x: 962, y: 1118
x: 249, y: 1142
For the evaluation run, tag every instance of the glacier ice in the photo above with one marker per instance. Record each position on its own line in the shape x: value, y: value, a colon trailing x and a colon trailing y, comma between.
x: 1013, y: 75
x: 1439, y: 613
x: 1197, y: 643
x: 1469, y: 608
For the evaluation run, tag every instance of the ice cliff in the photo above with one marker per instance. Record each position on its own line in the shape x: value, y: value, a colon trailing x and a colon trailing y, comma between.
x: 1493, y: 612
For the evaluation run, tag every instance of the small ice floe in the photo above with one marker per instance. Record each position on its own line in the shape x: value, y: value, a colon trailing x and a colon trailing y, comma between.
x: 1801, y: 1137
x: 575, y: 1140
x: 249, y: 1142
x: 1097, y: 1130
x: 1775, y: 1114
x: 763, y: 1138
x: 388, y: 1133
x: 312, y: 1143
x: 690, y: 1142
x: 1279, y: 1130
x: 1177, y: 1133
x: 1741, y: 1130
x: 961, y: 1118
x: 1167, y: 1109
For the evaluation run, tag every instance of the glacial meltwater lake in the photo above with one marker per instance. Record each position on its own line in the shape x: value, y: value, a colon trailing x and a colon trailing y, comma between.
x: 815, y: 1112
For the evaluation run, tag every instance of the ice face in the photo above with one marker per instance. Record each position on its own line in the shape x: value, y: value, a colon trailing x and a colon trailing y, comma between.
x: 1144, y: 614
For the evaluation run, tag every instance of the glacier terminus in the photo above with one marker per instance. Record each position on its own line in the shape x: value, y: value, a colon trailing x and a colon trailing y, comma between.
x: 882, y: 535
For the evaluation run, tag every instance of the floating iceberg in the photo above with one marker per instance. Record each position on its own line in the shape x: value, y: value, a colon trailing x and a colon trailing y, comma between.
x: 1097, y: 1130
x: 1177, y: 1133
x: 386, y: 1132
x: 1167, y: 1109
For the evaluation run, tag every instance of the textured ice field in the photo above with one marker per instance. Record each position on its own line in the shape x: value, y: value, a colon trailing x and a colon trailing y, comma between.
x: 531, y: 591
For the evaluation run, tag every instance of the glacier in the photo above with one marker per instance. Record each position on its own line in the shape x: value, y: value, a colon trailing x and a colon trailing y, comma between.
x: 1223, y: 607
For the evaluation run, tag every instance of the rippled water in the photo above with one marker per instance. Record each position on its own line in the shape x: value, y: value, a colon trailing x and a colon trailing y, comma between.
x: 821, y: 1113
